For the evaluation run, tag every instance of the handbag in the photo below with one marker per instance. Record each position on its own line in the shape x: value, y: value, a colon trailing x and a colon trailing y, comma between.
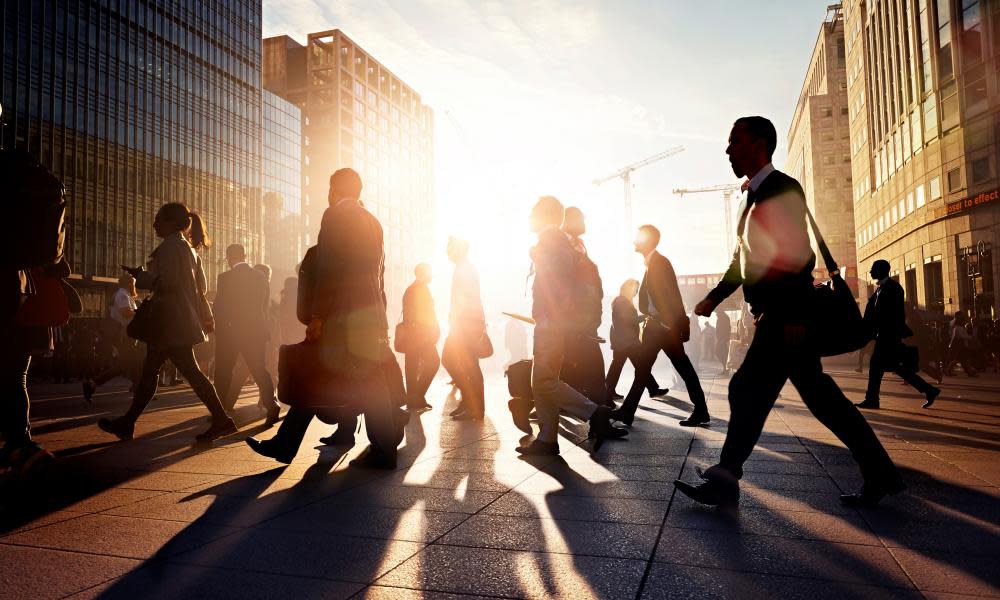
x: 48, y: 306
x: 837, y: 326
x: 147, y: 321
x: 519, y: 379
x: 316, y: 377
x: 402, y: 341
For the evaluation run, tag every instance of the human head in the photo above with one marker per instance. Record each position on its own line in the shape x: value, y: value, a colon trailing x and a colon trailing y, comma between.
x: 265, y: 269
x: 458, y: 249
x: 630, y: 288
x: 574, y: 222
x: 880, y: 269
x: 647, y: 239
x: 235, y: 254
x: 291, y: 285
x: 751, y: 145
x: 174, y: 216
x: 344, y: 183
x: 423, y: 272
x: 127, y: 283
x: 547, y: 212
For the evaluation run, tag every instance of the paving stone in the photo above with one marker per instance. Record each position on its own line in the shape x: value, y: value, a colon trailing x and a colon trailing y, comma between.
x: 619, y: 540
x: 39, y: 573
x: 618, y: 510
x: 671, y: 581
x: 847, y: 528
x: 415, y: 524
x: 517, y: 574
x: 304, y: 554
x: 379, y: 592
x: 957, y: 573
x: 390, y: 496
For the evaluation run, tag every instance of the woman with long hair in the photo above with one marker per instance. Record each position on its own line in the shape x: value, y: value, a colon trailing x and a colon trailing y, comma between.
x: 177, y: 320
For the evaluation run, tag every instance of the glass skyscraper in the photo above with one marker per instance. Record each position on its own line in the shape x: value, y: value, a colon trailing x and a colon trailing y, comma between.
x: 134, y: 103
x: 284, y: 225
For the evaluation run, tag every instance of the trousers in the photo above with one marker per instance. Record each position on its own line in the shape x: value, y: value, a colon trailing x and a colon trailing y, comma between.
x: 183, y: 359
x: 654, y: 340
x: 552, y: 394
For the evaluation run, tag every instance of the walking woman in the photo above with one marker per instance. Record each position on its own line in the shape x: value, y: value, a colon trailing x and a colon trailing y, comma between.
x: 178, y: 319
x: 466, y: 340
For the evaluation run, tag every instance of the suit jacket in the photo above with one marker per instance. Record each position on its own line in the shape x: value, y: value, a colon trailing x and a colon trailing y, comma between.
x: 418, y: 310
x: 660, y: 295
x: 774, y: 264
x: 348, y: 287
x: 884, y: 314
x: 624, y: 324
x: 242, y: 305
x: 552, y: 290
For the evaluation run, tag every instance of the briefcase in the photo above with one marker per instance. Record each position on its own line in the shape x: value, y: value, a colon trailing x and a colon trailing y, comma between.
x: 307, y: 378
x: 519, y: 379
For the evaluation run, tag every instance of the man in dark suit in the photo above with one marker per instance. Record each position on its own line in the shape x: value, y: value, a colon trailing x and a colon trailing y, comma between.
x: 625, y: 322
x: 773, y: 263
x: 242, y: 302
x: 666, y: 328
x: 347, y: 319
x: 886, y: 321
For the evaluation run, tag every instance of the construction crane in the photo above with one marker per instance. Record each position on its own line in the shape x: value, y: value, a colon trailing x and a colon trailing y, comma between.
x: 625, y: 173
x: 727, y: 189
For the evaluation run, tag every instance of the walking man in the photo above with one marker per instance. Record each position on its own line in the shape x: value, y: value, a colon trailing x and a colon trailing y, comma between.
x: 774, y: 262
x: 885, y: 318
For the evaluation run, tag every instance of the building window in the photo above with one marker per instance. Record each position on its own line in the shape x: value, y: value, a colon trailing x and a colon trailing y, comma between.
x: 949, y: 106
x: 972, y: 32
x: 954, y: 178
x: 902, y: 208
x: 946, y: 66
x: 982, y: 169
x: 934, y: 285
x: 920, y: 196
x: 826, y: 111
x: 930, y: 118
x: 935, y: 188
x: 909, y: 203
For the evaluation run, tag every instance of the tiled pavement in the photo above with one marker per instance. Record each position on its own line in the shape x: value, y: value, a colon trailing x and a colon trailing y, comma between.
x: 462, y: 516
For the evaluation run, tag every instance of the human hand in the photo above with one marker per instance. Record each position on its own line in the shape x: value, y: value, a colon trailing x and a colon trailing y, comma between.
x: 704, y: 308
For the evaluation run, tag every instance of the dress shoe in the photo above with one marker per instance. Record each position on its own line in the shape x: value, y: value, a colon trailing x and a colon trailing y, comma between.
x: 273, y: 416
x: 601, y: 428
x: 27, y: 460
x: 621, y: 416
x: 710, y: 492
x: 375, y: 459
x: 867, y: 404
x: 341, y: 437
x: 120, y: 427
x: 419, y: 407
x: 616, y: 396
x: 462, y: 408
x: 871, y: 495
x: 932, y: 396
x: 520, y: 408
x: 468, y: 416
x: 696, y: 419
x: 217, y: 429
x: 89, y: 387
x: 658, y: 392
x: 270, y: 449
x: 539, y: 448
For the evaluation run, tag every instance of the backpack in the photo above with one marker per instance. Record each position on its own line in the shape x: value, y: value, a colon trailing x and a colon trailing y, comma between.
x: 38, y: 207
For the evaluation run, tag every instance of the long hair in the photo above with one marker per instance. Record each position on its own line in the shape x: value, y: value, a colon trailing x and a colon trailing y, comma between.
x: 199, y: 233
x: 179, y: 218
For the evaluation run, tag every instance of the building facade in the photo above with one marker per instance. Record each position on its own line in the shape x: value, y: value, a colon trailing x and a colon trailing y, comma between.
x: 356, y: 113
x: 819, y: 147
x: 134, y: 103
x: 924, y: 100
x: 284, y: 227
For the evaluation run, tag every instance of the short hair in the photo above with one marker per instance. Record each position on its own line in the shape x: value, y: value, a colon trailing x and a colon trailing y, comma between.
x: 125, y: 280
x: 880, y: 266
x: 265, y: 269
x: 346, y: 182
x: 421, y: 268
x: 652, y: 232
x: 236, y: 251
x: 761, y: 128
x: 627, y: 283
x: 458, y: 247
x: 574, y: 222
x: 550, y: 210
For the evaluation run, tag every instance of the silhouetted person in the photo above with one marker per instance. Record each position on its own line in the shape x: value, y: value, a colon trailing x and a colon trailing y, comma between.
x: 177, y: 281
x: 556, y: 320
x: 242, y: 307
x: 885, y: 320
x: 583, y: 364
x: 625, y: 343
x: 127, y: 362
x: 347, y: 305
x: 666, y: 329
x: 467, y: 326
x: 421, y: 356
x: 959, y: 346
x: 723, y: 333
x: 774, y: 262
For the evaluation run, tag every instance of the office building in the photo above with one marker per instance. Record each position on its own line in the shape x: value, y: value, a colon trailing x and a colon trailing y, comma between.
x: 924, y: 103
x: 284, y: 229
x: 356, y: 113
x: 134, y: 103
x: 819, y: 147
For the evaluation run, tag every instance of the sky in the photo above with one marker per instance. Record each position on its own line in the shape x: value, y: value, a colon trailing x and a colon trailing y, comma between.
x: 542, y: 97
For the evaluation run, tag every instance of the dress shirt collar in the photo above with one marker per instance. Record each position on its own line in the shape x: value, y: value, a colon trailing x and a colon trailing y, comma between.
x: 761, y: 175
